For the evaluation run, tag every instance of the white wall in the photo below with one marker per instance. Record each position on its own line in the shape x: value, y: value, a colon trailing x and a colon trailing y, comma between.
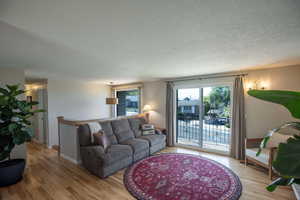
x: 75, y: 100
x: 260, y: 116
x: 14, y: 76
x: 154, y: 94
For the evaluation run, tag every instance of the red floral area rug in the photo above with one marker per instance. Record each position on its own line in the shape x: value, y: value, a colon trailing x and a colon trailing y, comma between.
x: 173, y: 176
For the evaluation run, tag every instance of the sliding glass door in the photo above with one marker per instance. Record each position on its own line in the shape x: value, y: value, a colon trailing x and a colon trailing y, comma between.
x: 203, y: 117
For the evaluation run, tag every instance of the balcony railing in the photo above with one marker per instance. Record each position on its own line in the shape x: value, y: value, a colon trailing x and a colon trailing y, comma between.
x: 212, y: 133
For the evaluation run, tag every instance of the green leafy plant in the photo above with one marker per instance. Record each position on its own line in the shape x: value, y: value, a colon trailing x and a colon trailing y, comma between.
x: 287, y: 161
x: 15, y: 117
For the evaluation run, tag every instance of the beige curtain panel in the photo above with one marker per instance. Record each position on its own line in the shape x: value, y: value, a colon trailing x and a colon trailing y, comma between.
x: 238, y: 134
x: 170, y: 114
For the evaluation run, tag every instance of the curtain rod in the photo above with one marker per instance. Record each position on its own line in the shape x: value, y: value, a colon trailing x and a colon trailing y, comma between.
x: 205, y: 77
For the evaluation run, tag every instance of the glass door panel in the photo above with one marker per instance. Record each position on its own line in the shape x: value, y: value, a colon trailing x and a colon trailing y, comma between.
x: 216, y: 118
x: 189, y: 131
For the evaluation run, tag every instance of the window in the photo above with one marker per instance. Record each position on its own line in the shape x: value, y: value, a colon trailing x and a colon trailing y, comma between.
x: 129, y: 102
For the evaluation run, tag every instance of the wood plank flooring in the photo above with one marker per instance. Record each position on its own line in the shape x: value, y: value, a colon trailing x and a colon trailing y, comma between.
x: 52, y: 178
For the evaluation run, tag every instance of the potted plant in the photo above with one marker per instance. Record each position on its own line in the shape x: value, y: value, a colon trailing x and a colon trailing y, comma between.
x: 287, y: 161
x: 14, y: 130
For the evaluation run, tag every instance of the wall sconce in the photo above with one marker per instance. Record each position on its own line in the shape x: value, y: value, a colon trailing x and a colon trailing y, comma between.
x: 250, y: 86
x: 264, y: 85
x: 257, y: 85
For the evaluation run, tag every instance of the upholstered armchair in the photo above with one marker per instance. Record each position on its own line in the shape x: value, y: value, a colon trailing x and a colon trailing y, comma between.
x: 266, y: 157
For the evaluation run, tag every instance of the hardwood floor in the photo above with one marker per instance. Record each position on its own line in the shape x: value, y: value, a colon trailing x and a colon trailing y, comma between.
x: 51, y: 178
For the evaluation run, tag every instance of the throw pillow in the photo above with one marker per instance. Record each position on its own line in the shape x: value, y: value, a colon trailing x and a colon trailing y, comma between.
x: 101, y: 138
x: 95, y: 127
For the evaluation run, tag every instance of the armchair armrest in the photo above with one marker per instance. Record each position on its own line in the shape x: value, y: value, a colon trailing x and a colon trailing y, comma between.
x: 252, y: 142
x: 272, y: 155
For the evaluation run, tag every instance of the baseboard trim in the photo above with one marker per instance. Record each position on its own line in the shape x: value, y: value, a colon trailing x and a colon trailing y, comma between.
x: 69, y: 159
x: 55, y: 147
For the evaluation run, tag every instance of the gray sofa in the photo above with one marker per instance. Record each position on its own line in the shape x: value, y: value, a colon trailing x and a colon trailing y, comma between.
x: 128, y: 145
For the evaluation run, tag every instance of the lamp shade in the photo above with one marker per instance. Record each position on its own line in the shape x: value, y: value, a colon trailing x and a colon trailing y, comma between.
x: 111, y: 101
x: 147, y: 108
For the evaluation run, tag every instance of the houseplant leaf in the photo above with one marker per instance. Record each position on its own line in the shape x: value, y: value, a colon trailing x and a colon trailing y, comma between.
x: 3, y: 100
x: 288, y: 99
x: 12, y: 88
x: 287, y: 162
x: 280, y: 181
x: 12, y: 127
x: 39, y: 110
x: 294, y: 125
x: 4, y: 91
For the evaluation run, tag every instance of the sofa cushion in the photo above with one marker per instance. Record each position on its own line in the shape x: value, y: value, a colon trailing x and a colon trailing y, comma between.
x: 116, y: 153
x: 263, y: 156
x: 122, y: 130
x: 137, y: 145
x: 154, y: 139
x: 136, y: 124
x: 113, y: 154
x: 107, y: 129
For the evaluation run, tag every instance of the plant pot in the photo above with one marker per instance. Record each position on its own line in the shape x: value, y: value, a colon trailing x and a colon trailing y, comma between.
x: 11, y: 171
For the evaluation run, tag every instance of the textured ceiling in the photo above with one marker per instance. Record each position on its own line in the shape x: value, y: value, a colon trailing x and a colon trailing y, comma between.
x: 134, y: 40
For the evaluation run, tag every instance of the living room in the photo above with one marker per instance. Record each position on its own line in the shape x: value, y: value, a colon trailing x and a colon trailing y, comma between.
x: 149, y: 100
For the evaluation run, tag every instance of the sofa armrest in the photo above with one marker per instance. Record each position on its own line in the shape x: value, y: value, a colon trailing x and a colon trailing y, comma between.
x: 93, y: 158
x: 252, y: 142
x: 160, y: 130
x: 93, y: 152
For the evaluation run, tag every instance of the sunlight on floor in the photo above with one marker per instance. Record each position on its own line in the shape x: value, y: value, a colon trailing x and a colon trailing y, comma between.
x: 225, y: 160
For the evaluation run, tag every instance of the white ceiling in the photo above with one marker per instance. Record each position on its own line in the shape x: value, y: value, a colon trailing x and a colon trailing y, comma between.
x: 134, y: 40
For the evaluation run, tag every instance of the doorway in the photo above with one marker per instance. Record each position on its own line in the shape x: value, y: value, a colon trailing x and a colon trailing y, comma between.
x: 203, y: 117
x: 39, y: 122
